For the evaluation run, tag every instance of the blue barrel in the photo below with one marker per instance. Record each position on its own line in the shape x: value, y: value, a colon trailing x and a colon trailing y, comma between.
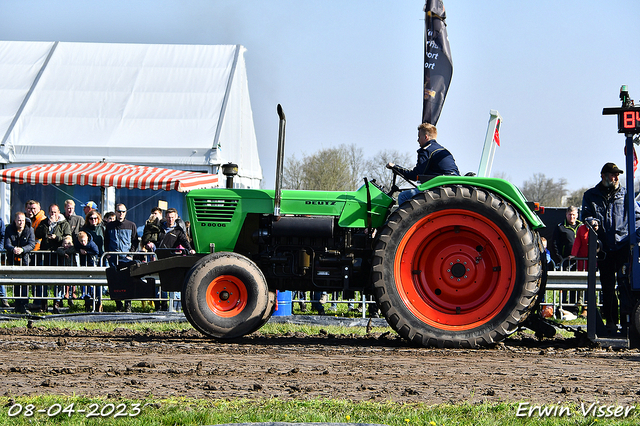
x: 284, y: 305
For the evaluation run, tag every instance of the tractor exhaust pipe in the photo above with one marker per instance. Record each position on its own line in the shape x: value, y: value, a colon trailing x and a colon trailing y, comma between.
x: 280, y: 162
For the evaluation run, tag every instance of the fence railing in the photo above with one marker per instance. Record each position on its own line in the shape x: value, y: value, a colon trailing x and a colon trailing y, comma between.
x: 361, y: 302
x: 49, y: 274
x: 48, y: 271
x: 569, y: 275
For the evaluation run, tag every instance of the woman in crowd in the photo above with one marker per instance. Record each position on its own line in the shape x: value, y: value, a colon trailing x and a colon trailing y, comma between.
x: 94, y: 228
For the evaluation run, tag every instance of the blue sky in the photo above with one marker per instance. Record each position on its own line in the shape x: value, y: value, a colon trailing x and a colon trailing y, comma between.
x: 350, y: 72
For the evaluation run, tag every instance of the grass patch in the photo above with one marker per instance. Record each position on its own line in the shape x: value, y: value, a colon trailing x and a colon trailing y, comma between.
x: 78, y: 307
x: 208, y: 412
x: 52, y: 324
x: 279, y: 329
x: 158, y: 327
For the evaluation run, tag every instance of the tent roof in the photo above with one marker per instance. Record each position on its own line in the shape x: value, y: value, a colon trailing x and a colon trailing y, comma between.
x: 109, y: 174
x: 173, y: 105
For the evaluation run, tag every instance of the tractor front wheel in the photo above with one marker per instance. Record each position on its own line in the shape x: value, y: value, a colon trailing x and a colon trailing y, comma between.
x: 226, y: 295
x: 456, y: 266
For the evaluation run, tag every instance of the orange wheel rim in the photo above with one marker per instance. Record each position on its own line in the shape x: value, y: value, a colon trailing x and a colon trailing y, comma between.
x: 227, y: 296
x: 454, y: 269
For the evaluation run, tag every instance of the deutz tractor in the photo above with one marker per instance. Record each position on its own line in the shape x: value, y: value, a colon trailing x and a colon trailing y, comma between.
x: 458, y: 265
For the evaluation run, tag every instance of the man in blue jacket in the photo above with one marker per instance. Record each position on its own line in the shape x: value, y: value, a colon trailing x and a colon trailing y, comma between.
x: 121, y: 235
x: 606, y: 203
x: 433, y: 160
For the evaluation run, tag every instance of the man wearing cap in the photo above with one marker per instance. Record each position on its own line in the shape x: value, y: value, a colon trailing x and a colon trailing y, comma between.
x: 88, y: 206
x: 606, y: 203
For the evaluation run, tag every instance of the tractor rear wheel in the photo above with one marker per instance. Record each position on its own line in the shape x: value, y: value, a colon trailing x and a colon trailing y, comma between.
x: 456, y: 266
x: 225, y: 295
x: 635, y: 325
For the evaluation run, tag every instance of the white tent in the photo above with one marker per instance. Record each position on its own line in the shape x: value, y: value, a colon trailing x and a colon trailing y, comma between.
x: 177, y: 106
x: 185, y: 107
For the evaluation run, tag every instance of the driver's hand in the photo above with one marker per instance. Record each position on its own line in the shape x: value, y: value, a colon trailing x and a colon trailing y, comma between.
x: 390, y: 165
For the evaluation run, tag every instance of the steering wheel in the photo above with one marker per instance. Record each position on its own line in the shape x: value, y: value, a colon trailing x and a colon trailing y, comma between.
x: 396, y: 174
x: 394, y: 187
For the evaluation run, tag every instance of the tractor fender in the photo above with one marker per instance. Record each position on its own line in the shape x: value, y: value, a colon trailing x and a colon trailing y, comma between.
x: 504, y: 188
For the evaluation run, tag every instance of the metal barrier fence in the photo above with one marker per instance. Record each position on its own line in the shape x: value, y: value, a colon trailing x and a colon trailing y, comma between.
x: 565, y: 278
x: 52, y: 276
x: 49, y: 272
x: 562, y: 281
x: 306, y: 297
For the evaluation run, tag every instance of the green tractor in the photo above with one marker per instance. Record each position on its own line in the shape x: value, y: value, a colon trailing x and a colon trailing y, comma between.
x: 459, y: 265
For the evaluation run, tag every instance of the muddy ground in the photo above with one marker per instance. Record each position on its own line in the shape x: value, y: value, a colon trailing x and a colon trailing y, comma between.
x: 376, y: 367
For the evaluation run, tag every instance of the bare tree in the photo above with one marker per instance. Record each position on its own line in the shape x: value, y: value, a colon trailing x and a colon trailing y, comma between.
x: 327, y: 170
x: 357, y: 165
x: 501, y: 175
x: 545, y: 190
x: 292, y: 175
x: 334, y: 169
x: 575, y: 197
x: 376, y: 166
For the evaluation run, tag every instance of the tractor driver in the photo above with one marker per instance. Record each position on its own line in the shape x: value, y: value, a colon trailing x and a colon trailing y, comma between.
x: 433, y: 160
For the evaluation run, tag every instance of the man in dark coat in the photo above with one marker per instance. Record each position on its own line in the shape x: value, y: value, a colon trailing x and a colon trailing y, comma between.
x: 121, y: 235
x: 564, y: 235
x: 75, y: 222
x: 152, y: 230
x: 171, y: 234
x: 433, y: 160
x: 171, y: 237
x: 52, y: 229
x: 606, y: 203
x: 19, y: 241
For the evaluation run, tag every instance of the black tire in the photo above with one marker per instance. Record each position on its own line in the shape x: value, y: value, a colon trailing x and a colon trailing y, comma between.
x: 456, y: 266
x: 271, y: 307
x: 225, y: 295
x: 186, y: 311
x: 635, y: 323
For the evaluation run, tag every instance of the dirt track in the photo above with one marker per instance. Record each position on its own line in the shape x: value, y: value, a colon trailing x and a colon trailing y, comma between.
x: 379, y: 367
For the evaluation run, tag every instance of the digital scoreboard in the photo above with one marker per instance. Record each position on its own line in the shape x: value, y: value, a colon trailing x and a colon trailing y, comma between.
x: 628, y: 118
x: 628, y: 114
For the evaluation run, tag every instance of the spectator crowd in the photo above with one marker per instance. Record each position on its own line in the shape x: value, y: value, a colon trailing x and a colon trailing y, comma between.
x: 63, y: 238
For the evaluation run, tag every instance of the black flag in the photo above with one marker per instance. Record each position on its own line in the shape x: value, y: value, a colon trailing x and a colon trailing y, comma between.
x: 438, y: 67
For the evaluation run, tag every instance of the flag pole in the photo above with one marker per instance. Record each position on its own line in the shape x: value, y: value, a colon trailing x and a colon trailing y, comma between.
x: 491, y: 141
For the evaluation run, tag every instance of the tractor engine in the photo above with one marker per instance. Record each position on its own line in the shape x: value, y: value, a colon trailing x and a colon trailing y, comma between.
x: 310, y: 253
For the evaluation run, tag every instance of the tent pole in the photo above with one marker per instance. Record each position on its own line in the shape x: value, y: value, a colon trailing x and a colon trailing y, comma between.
x: 102, y: 200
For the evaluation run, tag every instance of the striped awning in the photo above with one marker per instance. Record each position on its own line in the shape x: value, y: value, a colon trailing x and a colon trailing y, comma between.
x: 109, y: 174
